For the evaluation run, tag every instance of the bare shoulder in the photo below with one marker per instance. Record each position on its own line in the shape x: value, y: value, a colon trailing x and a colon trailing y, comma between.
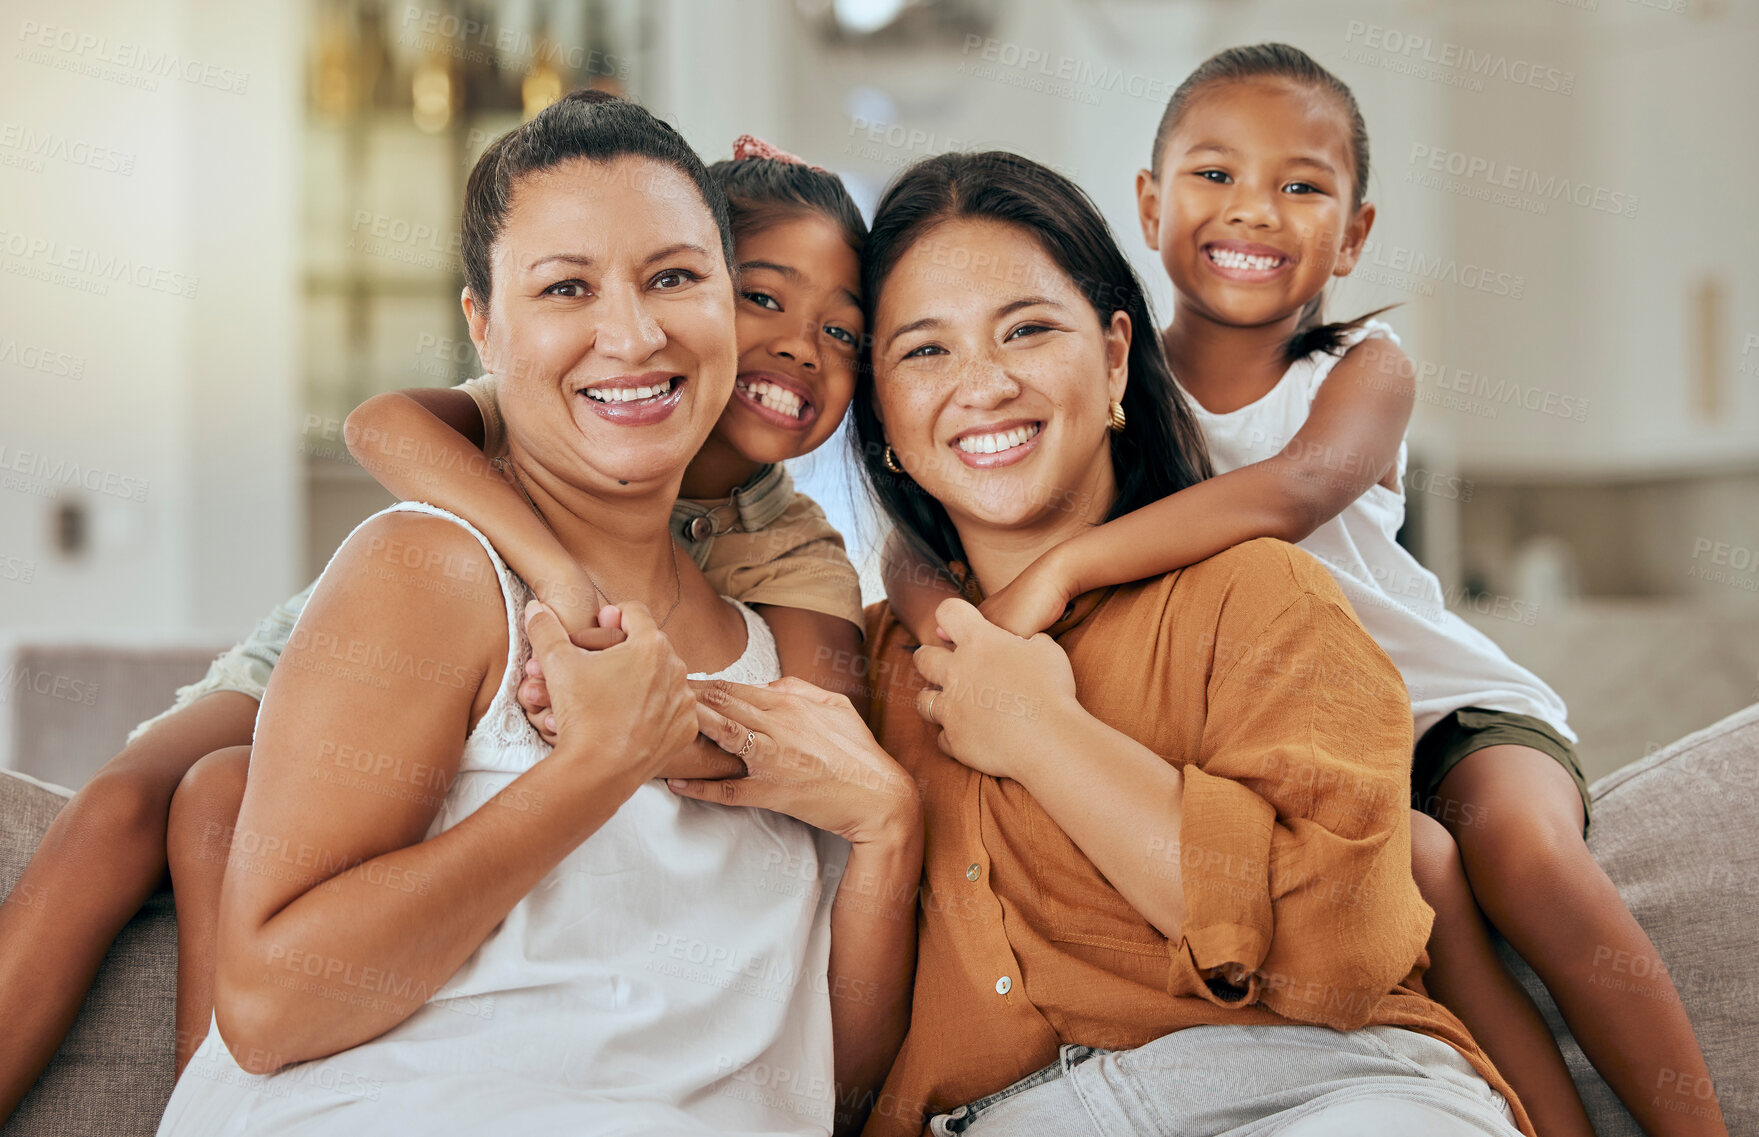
x: 415, y: 580
x: 407, y: 548
x: 1376, y: 365
x: 395, y: 658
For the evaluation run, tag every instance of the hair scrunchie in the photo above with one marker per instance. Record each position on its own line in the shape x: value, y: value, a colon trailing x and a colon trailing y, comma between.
x: 751, y: 146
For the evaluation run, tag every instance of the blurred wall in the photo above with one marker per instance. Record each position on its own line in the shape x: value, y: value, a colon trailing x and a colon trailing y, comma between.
x: 146, y: 336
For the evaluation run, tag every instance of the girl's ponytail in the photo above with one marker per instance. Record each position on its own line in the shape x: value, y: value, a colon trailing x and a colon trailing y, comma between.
x: 1313, y: 334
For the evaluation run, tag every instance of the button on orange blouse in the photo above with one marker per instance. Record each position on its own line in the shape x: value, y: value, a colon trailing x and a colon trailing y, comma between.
x: 1293, y: 730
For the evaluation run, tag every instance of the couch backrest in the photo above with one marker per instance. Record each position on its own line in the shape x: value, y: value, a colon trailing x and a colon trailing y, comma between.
x: 67, y: 707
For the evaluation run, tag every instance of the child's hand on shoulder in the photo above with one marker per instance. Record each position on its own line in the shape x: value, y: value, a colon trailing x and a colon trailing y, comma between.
x: 1032, y: 602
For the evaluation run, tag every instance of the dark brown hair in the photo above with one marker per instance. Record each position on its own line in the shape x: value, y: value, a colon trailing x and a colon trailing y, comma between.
x: 762, y: 191
x: 588, y: 124
x: 1160, y: 451
x: 1281, y: 61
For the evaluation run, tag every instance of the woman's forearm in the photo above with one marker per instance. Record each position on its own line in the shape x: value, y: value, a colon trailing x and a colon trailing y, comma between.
x: 873, y: 965
x: 342, y: 962
x: 1122, y: 805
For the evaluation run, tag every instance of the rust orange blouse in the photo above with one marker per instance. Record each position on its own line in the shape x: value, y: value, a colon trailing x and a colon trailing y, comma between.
x: 1293, y: 729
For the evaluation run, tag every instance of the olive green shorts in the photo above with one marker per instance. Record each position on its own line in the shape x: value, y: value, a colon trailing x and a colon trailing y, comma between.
x: 1470, y: 729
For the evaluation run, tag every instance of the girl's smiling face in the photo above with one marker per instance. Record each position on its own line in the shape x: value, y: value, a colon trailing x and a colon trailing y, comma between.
x: 1254, y: 210
x: 799, y: 326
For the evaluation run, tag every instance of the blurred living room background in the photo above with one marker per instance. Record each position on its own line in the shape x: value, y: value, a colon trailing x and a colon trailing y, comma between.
x: 224, y: 225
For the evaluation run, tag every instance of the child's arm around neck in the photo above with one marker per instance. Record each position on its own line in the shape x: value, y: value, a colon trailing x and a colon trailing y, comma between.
x: 1349, y: 442
x: 424, y: 444
x: 915, y: 587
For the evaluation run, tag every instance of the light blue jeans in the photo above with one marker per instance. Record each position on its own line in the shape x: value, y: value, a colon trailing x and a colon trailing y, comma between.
x: 1248, y: 1081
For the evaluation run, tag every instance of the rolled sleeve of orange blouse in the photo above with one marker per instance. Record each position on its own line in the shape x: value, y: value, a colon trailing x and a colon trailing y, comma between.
x: 1295, y: 843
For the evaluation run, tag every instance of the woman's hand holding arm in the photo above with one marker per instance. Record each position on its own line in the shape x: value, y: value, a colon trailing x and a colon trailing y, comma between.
x: 700, y: 758
x: 813, y: 758
x: 1006, y: 707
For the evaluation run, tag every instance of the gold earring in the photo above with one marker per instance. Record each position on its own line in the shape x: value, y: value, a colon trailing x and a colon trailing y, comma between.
x: 1115, y: 419
x: 891, y: 460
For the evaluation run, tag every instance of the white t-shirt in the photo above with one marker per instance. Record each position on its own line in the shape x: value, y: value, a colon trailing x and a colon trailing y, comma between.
x: 1447, y: 664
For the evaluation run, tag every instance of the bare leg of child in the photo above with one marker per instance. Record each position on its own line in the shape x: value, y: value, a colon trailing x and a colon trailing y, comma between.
x: 1518, y: 821
x: 1467, y: 976
x: 102, y: 857
x: 202, y: 816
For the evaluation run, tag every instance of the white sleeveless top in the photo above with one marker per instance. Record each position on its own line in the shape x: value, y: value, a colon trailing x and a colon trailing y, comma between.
x: 667, y: 977
x: 1446, y: 663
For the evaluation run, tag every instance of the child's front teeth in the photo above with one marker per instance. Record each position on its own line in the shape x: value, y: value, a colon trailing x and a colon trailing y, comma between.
x: 1227, y: 258
x: 775, y: 398
x: 996, y: 443
x: 626, y: 394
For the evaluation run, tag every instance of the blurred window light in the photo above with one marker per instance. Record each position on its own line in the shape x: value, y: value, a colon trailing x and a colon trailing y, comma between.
x: 867, y: 103
x: 431, y: 92
x: 540, y: 88
x: 864, y: 17
x: 335, y: 85
x: 898, y: 23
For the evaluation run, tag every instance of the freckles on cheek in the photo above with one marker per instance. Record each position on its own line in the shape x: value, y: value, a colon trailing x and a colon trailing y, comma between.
x: 913, y: 415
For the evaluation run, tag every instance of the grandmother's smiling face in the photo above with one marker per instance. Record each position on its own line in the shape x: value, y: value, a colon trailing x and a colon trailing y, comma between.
x: 994, y: 376
x: 610, y: 329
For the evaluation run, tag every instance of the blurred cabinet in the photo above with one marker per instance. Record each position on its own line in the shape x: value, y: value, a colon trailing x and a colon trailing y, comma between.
x: 401, y: 99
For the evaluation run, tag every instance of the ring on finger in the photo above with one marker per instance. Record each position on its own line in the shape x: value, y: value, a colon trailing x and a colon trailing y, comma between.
x: 745, y: 747
x: 932, y: 696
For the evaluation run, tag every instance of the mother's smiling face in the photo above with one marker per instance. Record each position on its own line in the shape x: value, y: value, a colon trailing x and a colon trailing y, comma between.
x: 597, y: 259
x: 1006, y: 324
x: 995, y: 382
x: 610, y: 326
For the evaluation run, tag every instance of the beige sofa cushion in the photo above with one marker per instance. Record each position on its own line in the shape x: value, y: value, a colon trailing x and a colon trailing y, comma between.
x: 112, y: 1075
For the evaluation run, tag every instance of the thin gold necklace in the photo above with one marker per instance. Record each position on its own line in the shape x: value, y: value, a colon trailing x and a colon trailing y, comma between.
x: 677, y: 577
